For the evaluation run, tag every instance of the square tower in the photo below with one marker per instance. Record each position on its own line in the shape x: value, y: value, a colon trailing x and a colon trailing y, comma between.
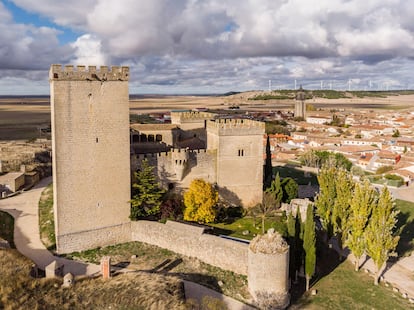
x: 91, y: 162
x: 239, y: 170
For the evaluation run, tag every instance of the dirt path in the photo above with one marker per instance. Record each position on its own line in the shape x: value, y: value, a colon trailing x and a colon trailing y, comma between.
x: 24, y: 209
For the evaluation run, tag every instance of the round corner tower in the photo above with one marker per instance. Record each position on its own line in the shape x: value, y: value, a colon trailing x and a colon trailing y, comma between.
x: 268, y: 269
x: 91, y: 163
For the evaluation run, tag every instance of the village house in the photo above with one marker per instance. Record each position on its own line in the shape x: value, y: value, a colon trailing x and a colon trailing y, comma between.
x: 319, y: 120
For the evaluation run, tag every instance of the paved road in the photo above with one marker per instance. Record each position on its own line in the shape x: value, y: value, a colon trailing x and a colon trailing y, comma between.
x: 24, y: 209
x: 403, y: 192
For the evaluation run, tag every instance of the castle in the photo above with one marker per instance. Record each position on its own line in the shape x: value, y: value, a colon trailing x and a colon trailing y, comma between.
x: 92, y: 147
x: 95, y: 150
x: 232, y: 158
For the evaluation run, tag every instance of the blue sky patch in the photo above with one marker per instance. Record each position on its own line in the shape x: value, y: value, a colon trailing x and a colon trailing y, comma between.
x: 21, y: 16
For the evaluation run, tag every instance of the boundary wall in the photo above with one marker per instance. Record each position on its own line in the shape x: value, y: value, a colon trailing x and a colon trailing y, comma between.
x: 192, y: 241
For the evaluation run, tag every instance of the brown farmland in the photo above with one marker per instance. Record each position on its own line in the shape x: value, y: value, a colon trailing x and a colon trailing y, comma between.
x: 22, y: 118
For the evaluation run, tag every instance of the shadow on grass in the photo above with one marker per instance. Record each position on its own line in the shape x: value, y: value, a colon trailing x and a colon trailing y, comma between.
x: 296, y: 174
x: 217, y: 231
x: 405, y: 228
x: 327, y: 261
x: 167, y: 265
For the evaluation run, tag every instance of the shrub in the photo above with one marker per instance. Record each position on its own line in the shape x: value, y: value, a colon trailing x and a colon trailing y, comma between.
x: 172, y: 208
x: 393, y: 177
x: 384, y: 169
x: 200, y: 202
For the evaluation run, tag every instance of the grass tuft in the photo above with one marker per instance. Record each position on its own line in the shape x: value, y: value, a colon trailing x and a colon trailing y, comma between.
x: 46, y: 219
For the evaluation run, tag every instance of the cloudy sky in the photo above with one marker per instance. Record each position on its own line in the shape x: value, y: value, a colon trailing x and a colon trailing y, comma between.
x: 211, y: 46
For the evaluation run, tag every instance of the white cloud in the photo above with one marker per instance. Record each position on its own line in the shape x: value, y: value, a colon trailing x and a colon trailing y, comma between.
x: 88, y: 51
x: 24, y: 46
x: 195, y: 43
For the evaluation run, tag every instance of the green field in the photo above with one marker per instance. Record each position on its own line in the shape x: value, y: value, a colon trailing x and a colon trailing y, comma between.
x: 344, y: 288
x: 405, y: 226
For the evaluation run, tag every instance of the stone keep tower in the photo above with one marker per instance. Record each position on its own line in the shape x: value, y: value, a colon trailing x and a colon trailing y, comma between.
x: 300, y: 105
x: 239, y: 171
x: 91, y: 163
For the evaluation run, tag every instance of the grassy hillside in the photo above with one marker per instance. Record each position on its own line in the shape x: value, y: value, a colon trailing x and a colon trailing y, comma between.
x: 140, y: 290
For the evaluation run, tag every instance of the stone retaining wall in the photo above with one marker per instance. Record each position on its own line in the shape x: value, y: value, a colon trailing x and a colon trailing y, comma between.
x: 192, y: 241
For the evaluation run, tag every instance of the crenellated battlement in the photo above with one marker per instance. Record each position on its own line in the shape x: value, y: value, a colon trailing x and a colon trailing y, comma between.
x: 193, y: 115
x: 173, y: 153
x: 91, y: 73
x: 190, y: 116
x: 236, y: 127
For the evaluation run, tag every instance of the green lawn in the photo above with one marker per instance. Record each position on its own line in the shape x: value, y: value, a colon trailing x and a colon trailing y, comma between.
x: 7, y: 227
x: 296, y: 174
x: 405, y: 226
x: 344, y: 288
x: 251, y: 225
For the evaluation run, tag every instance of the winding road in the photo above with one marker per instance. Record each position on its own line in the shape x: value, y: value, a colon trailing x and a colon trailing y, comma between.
x: 24, y: 209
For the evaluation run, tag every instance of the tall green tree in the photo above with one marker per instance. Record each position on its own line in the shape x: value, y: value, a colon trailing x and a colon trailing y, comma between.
x: 381, y: 239
x: 318, y: 159
x: 276, y: 190
x: 299, y: 252
x: 290, y: 189
x: 146, y: 192
x: 200, y: 200
x: 309, y: 245
x: 291, y: 224
x: 268, y: 169
x: 326, y: 198
x: 344, y: 186
x: 294, y: 228
x: 361, y: 206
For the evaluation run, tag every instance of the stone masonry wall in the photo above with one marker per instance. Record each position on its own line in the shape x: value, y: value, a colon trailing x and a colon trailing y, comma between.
x: 239, y: 145
x: 89, y: 239
x: 200, y: 164
x: 191, y: 241
x: 90, y: 143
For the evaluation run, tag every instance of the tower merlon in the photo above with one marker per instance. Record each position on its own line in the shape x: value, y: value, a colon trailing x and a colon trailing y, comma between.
x: 80, y: 73
x: 236, y: 127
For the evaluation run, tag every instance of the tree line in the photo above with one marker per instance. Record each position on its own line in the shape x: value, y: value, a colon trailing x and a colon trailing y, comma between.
x: 357, y: 216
